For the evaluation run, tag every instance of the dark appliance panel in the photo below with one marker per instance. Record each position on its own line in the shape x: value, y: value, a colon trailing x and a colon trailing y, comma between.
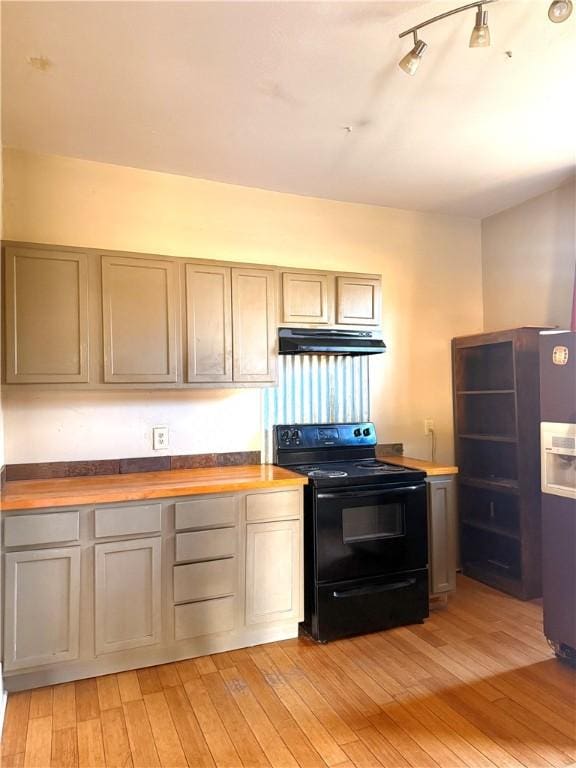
x: 368, y: 532
x: 367, y: 605
x: 558, y: 378
x: 559, y: 569
x: 365, y: 531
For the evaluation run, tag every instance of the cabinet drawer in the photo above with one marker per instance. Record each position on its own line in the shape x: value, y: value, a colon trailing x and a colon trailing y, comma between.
x: 273, y: 506
x: 125, y: 521
x: 206, y: 513
x: 205, y: 618
x: 29, y: 530
x: 205, y: 545
x: 199, y: 581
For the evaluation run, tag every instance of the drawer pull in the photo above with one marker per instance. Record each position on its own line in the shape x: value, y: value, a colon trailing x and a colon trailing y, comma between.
x: 373, y: 589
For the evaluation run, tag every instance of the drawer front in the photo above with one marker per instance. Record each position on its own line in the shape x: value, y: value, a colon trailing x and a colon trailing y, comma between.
x: 205, y: 618
x: 281, y: 505
x: 52, y: 527
x: 199, y: 581
x: 206, y: 545
x: 125, y: 521
x: 206, y: 513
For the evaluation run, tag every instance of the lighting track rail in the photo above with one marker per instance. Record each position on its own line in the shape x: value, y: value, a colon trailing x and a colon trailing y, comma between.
x: 559, y: 11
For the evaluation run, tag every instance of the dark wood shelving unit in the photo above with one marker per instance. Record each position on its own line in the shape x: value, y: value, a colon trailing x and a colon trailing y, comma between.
x: 497, y: 422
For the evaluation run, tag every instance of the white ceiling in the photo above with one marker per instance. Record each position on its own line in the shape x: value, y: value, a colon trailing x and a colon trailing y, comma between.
x: 262, y: 93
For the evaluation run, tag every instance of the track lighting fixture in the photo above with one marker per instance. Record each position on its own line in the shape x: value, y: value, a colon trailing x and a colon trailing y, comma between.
x: 480, y: 37
x: 411, y: 61
x: 559, y: 10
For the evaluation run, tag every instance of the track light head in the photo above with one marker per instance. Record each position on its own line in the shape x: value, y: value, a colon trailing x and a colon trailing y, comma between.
x: 559, y: 10
x: 480, y: 37
x: 411, y: 61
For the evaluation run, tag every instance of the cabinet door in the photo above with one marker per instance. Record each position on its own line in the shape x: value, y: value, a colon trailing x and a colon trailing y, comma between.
x: 305, y: 297
x: 273, y: 572
x: 358, y: 300
x: 208, y: 323
x: 442, y: 546
x: 42, y: 607
x: 127, y: 591
x: 253, y: 326
x: 139, y: 304
x: 46, y: 316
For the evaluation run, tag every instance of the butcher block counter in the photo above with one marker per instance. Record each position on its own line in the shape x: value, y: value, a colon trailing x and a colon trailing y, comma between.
x: 67, y: 492
x: 116, y: 572
x: 432, y: 469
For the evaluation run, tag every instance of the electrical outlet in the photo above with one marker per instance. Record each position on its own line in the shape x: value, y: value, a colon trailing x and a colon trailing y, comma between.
x: 160, y: 438
x: 428, y: 426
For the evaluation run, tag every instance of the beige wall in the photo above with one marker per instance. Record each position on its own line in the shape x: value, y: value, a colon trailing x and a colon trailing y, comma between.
x: 529, y: 261
x: 430, y: 264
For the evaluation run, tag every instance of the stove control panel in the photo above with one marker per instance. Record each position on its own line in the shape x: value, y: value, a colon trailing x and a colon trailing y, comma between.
x: 292, y: 436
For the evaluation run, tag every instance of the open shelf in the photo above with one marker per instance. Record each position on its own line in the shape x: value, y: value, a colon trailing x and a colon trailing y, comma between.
x: 485, y: 367
x: 504, y: 484
x: 485, y: 392
x: 490, y: 438
x: 496, y: 413
x: 489, y: 528
x: 488, y: 459
x: 490, y: 510
x: 487, y: 414
x: 482, y: 571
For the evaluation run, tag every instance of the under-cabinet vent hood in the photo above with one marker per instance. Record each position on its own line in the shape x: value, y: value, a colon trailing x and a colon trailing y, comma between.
x: 328, y: 341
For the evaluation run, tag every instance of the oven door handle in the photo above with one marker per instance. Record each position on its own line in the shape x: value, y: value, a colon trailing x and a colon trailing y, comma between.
x: 373, y: 589
x: 373, y: 492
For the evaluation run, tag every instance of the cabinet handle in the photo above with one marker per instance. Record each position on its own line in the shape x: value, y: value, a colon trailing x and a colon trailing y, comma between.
x: 492, y: 511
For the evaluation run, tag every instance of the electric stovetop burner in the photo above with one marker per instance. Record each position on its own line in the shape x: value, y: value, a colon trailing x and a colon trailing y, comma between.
x: 327, y: 473
x: 379, y: 466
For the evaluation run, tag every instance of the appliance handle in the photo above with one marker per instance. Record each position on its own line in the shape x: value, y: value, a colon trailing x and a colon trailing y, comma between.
x: 374, y: 492
x: 373, y: 589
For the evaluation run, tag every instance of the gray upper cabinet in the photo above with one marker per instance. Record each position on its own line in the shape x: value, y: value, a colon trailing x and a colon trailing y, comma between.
x: 208, y: 323
x: 140, y: 314
x: 316, y: 298
x: 358, y: 300
x: 253, y: 324
x: 46, y: 317
x: 305, y: 297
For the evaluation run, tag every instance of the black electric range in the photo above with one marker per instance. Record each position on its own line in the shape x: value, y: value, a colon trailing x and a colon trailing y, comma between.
x: 365, y: 530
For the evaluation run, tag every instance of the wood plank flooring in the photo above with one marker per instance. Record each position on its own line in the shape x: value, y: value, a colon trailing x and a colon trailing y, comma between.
x: 476, y: 686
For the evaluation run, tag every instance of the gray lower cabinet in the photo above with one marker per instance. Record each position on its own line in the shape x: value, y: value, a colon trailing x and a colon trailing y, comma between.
x: 127, y: 591
x: 42, y: 607
x: 273, y: 581
x: 127, y: 585
x: 442, y: 534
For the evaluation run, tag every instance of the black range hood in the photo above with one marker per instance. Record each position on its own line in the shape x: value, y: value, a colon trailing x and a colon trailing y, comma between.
x: 328, y: 341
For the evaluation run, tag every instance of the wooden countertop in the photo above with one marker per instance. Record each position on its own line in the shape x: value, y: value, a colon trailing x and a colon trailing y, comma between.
x: 431, y: 468
x: 104, y: 489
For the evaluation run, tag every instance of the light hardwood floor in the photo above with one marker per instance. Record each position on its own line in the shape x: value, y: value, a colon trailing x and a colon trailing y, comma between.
x: 476, y: 686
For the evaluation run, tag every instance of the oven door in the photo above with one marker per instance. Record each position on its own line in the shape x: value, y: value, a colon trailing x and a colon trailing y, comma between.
x: 369, y: 532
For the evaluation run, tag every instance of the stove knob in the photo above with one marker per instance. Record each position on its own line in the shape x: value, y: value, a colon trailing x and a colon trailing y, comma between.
x: 357, y: 432
x: 366, y: 432
x: 284, y: 435
x: 296, y: 434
